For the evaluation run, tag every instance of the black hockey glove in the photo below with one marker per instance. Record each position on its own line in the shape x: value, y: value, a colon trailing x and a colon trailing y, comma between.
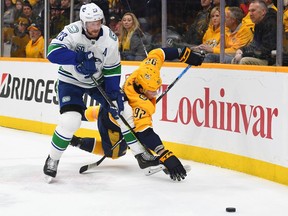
x: 118, y: 97
x: 174, y: 166
x: 192, y: 58
x: 86, y: 64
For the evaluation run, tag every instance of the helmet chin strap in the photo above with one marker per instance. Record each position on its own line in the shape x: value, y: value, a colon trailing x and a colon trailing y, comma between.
x: 84, y: 26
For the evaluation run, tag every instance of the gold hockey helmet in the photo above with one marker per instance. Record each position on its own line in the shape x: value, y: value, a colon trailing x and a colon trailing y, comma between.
x: 149, y: 78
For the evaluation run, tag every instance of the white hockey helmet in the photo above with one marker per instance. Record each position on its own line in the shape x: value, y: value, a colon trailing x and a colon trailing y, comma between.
x: 90, y: 12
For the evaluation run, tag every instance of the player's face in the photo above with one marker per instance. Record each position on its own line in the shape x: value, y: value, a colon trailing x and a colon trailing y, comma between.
x: 93, y: 28
x: 150, y: 94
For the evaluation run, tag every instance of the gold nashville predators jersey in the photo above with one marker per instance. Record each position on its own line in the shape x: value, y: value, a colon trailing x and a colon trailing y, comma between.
x: 143, y: 108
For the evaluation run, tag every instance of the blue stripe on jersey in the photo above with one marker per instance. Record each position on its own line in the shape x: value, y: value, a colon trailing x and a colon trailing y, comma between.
x: 112, y: 84
x: 61, y: 55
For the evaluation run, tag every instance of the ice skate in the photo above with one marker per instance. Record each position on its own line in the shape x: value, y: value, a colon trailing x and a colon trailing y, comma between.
x: 50, y: 169
x: 146, y: 159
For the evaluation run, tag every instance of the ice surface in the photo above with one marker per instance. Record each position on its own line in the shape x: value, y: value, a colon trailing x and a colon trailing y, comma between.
x: 119, y: 187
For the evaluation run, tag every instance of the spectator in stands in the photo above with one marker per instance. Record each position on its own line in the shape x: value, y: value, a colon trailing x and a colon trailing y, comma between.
x: 20, y: 39
x: 35, y: 47
x: 196, y: 31
x: 54, y: 3
x: 8, y: 20
x: 258, y: 52
x: 39, y: 8
x: 211, y: 37
x: 132, y: 43
x: 216, y: 3
x: 65, y: 5
x: 18, y: 9
x: 32, y: 2
x: 270, y: 4
x: 247, y: 20
x: 244, y: 5
x: 238, y: 36
x: 28, y: 13
x: 115, y: 23
x: 57, y: 20
x: 8, y: 16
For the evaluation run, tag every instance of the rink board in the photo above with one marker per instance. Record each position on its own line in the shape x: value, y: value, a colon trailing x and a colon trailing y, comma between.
x: 225, y: 115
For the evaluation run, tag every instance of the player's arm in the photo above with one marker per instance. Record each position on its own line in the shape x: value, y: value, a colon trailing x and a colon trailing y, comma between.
x: 61, y: 51
x: 60, y: 54
x: 185, y: 55
x: 112, y: 75
x: 112, y: 65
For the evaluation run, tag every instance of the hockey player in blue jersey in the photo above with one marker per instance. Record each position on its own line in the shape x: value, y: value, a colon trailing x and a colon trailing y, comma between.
x: 83, y: 49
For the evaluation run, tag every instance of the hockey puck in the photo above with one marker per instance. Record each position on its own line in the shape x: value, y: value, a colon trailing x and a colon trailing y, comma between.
x: 230, y: 209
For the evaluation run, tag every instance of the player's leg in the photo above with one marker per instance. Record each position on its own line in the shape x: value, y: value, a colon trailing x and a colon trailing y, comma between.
x: 71, y: 109
x: 110, y: 134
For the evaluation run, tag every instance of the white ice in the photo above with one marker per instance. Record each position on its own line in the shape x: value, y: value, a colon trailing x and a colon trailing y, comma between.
x: 119, y: 187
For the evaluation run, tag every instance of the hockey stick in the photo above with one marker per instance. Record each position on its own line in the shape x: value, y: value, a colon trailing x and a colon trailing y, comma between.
x: 97, y: 163
x: 173, y: 83
x: 111, y: 104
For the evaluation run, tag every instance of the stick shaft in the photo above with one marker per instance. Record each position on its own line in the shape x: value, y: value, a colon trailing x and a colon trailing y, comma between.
x: 173, y: 83
x: 109, y: 101
x: 97, y: 163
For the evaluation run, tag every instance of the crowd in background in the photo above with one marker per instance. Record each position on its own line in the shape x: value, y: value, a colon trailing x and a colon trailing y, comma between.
x: 138, y: 26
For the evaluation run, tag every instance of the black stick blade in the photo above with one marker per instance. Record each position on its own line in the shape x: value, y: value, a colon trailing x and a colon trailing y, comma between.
x: 83, y: 169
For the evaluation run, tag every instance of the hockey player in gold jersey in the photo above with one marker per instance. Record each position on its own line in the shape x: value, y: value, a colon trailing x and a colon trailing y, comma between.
x: 141, y: 89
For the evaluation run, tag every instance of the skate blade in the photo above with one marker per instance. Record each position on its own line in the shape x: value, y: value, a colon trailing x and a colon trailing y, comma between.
x: 48, y: 179
x: 152, y: 170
